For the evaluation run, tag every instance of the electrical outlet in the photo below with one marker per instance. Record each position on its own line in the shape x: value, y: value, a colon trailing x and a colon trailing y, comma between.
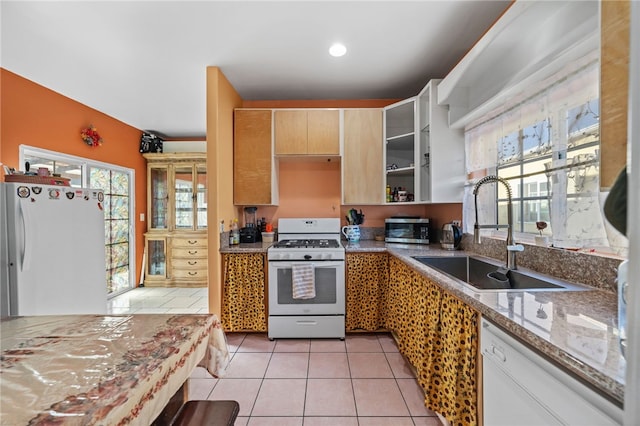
x: 457, y: 222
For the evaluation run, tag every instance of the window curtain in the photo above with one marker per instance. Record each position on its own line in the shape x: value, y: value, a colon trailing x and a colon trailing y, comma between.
x: 576, y: 214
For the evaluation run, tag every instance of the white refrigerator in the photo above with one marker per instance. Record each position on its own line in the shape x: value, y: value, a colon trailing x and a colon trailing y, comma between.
x: 53, y: 250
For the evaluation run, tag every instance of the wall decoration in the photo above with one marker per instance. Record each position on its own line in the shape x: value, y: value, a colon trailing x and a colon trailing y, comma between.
x: 90, y: 136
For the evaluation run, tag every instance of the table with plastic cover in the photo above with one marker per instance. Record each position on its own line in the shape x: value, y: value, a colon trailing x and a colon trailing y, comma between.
x: 102, y: 369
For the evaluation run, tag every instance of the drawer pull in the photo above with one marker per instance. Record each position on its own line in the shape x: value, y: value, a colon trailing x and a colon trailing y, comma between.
x: 193, y: 252
x: 193, y: 241
x: 192, y: 263
x: 193, y: 273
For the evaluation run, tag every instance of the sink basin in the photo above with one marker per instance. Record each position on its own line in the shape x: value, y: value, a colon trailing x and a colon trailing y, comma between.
x: 486, y: 275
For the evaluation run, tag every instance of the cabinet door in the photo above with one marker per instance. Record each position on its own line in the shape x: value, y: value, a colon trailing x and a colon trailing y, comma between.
x: 158, y: 196
x: 252, y: 158
x: 290, y: 132
x: 156, y: 268
x: 323, y: 132
x: 362, y: 160
x: 184, y: 196
x: 442, y: 172
x: 201, y: 196
x: 400, y: 157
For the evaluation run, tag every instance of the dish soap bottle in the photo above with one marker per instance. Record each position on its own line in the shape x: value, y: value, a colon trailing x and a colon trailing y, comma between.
x: 234, y: 236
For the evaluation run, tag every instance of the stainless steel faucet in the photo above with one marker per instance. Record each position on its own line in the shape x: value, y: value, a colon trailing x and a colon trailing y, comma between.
x: 511, y: 247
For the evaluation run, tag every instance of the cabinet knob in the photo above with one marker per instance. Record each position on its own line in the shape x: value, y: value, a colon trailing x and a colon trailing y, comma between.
x: 193, y: 241
x: 193, y: 251
x: 193, y: 273
x: 191, y: 263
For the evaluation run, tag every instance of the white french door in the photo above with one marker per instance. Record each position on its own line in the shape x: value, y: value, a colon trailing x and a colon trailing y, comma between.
x: 117, y: 183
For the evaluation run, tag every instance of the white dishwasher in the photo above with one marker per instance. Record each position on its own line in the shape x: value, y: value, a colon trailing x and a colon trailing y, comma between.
x: 522, y: 388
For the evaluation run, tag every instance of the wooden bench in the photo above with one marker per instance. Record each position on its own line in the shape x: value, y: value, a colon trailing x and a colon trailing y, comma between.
x: 207, y: 413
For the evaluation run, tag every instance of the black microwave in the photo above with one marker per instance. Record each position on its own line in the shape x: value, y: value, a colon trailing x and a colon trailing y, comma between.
x: 406, y: 230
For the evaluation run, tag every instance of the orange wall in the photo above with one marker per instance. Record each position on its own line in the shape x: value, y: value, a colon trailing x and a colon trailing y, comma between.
x: 36, y: 116
x: 221, y: 101
x: 306, y: 189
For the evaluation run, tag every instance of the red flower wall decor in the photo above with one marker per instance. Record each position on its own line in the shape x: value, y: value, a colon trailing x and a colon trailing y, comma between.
x: 90, y: 136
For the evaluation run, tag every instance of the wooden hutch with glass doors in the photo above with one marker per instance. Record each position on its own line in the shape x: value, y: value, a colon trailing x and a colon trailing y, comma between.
x: 176, y: 237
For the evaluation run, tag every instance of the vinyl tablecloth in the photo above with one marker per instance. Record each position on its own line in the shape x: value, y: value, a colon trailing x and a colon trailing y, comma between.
x: 101, y: 369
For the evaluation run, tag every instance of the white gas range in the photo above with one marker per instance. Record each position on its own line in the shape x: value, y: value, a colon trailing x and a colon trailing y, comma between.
x: 309, y: 248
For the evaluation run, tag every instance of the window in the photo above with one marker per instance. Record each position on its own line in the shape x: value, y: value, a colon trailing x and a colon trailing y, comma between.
x: 521, y: 158
x: 545, y: 143
x: 117, y: 184
x: 525, y: 160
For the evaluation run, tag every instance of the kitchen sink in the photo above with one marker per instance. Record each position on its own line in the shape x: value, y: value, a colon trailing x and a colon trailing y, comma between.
x: 487, y: 275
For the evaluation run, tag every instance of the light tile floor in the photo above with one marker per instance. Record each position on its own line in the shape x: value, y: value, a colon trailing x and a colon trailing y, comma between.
x: 361, y: 381
x: 160, y: 300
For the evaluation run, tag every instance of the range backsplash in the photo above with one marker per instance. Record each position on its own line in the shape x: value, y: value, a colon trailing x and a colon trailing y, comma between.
x: 592, y: 270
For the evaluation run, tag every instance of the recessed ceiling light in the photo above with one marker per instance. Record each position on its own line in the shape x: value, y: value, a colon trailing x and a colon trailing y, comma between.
x: 337, y: 50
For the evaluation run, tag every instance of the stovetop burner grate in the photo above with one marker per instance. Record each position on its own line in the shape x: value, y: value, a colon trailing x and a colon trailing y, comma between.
x: 307, y: 243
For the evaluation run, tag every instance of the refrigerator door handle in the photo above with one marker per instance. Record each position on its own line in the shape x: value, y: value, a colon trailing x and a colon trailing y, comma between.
x: 27, y: 225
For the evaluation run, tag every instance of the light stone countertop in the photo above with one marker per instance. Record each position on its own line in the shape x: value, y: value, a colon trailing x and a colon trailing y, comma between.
x: 246, y: 248
x: 579, y: 333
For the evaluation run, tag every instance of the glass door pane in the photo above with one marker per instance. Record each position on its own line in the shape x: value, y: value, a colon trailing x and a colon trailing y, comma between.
x: 184, y: 197
x: 159, y: 198
x: 116, y: 188
x: 201, y: 196
x: 157, y: 258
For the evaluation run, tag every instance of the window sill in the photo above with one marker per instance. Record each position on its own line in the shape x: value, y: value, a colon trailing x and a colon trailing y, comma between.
x: 529, y: 240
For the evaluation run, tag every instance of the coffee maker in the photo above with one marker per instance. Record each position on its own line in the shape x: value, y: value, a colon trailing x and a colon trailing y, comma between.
x: 250, y: 233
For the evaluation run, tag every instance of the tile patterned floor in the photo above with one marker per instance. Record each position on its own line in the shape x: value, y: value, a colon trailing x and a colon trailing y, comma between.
x: 361, y: 381
x: 160, y: 300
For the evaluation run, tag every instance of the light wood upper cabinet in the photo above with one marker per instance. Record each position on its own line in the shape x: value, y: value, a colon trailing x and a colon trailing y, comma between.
x: 253, y: 164
x: 290, y: 132
x: 614, y: 89
x: 323, y: 132
x: 307, y: 132
x: 362, y: 159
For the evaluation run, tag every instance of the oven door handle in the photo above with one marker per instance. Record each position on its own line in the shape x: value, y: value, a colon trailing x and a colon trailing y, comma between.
x: 316, y: 263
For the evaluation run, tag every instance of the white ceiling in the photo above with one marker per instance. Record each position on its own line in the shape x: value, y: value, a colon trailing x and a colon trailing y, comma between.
x: 144, y: 62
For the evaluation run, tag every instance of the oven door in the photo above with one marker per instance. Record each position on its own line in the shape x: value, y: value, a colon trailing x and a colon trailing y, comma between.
x: 329, y: 282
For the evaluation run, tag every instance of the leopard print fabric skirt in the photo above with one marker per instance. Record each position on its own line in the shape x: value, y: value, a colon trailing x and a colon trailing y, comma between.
x: 438, y: 335
x: 367, y: 282
x: 243, y: 292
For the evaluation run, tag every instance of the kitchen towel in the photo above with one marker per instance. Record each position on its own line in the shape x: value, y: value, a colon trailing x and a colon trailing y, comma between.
x: 303, y: 277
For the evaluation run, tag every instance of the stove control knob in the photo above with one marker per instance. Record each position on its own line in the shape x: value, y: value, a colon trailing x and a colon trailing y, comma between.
x: 307, y: 257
